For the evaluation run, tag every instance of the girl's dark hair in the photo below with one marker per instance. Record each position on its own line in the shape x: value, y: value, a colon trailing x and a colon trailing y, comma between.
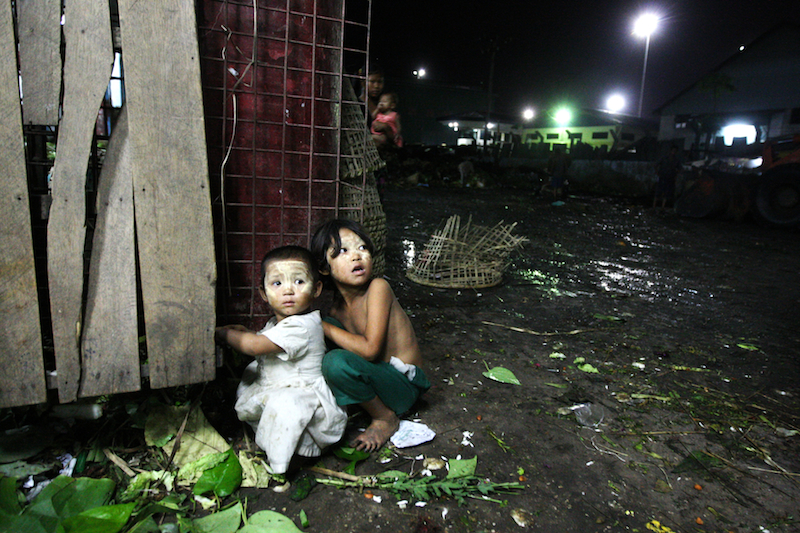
x: 327, y: 236
x: 290, y: 252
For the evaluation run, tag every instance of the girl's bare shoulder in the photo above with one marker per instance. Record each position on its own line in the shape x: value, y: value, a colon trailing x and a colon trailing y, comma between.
x: 379, y: 286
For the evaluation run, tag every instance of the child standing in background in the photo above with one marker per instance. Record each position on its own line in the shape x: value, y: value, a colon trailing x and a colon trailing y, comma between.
x: 378, y: 364
x: 386, y: 122
x: 283, y: 394
x: 373, y: 92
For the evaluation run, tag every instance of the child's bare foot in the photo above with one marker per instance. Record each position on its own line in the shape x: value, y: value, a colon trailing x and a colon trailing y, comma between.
x: 377, y: 434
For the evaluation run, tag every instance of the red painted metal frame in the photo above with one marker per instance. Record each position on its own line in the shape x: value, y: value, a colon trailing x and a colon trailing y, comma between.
x: 272, y: 78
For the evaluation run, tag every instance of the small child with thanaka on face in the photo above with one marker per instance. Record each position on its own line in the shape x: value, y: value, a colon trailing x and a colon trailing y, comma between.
x: 283, y: 394
x: 378, y: 362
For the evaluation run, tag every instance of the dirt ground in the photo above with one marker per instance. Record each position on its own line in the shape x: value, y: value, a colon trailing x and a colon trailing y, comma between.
x: 692, y: 326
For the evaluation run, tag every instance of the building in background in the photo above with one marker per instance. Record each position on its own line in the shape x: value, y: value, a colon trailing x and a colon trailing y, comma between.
x: 585, y: 130
x: 751, y: 97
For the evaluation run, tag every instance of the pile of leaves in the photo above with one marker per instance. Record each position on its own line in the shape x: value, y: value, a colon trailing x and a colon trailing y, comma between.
x: 187, y: 469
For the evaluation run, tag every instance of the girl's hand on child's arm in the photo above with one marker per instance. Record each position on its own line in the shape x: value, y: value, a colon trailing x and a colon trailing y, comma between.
x: 371, y: 344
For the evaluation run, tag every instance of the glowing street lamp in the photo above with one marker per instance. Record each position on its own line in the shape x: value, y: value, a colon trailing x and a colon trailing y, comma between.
x: 563, y: 116
x: 644, y: 26
x: 615, y: 103
x: 528, y: 114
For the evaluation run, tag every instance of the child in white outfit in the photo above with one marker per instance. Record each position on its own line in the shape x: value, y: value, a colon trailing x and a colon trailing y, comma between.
x: 283, y: 394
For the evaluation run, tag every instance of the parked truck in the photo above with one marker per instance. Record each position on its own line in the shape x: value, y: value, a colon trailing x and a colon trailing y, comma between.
x: 777, y: 196
x: 770, y: 192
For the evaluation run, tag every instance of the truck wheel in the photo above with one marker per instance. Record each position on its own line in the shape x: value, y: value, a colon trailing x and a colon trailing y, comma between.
x: 778, y: 197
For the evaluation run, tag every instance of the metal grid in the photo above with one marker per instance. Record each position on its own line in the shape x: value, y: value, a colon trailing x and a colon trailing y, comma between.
x: 272, y: 82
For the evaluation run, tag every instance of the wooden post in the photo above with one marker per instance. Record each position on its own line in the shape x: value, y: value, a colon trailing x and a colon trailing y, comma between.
x: 22, y: 378
x: 171, y: 188
x: 88, y: 59
x: 110, y: 349
x: 39, y: 30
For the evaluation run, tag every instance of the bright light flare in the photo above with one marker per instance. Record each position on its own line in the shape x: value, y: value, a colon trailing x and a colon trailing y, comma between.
x: 419, y: 73
x: 528, y: 114
x: 645, y: 25
x: 615, y: 103
x: 731, y: 131
x: 563, y: 116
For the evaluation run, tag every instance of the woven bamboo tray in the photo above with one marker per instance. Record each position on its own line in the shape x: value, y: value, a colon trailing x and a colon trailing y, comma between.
x: 465, y: 257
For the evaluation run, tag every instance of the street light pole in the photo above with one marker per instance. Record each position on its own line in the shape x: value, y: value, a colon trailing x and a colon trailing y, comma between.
x: 644, y: 73
x: 644, y: 27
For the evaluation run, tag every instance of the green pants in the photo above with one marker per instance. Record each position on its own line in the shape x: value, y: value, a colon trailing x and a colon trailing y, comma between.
x: 355, y: 380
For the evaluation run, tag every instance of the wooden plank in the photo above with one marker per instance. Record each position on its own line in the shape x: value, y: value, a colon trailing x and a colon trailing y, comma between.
x: 171, y: 188
x: 87, y: 69
x: 109, y: 345
x: 22, y: 379
x: 39, y: 30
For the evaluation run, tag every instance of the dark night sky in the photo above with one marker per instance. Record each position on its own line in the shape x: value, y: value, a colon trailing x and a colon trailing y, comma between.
x: 577, y: 52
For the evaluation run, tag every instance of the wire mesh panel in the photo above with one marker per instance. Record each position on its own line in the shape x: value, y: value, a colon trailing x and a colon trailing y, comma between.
x: 273, y: 72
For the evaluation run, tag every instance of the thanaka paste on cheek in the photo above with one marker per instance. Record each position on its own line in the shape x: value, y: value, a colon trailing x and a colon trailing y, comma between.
x: 351, y: 242
x: 287, y: 272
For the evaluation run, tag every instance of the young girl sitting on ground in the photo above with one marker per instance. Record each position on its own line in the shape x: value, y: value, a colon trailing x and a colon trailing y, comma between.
x: 283, y: 394
x: 378, y: 363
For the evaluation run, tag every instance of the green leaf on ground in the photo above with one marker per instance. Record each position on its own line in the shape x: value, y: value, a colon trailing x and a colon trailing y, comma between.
x: 269, y: 522
x: 503, y: 375
x: 462, y: 467
x: 199, y: 438
x: 746, y: 346
x: 105, y: 519
x: 350, y: 454
x: 222, y: 479
x: 9, y: 501
x: 608, y: 317
x: 226, y: 521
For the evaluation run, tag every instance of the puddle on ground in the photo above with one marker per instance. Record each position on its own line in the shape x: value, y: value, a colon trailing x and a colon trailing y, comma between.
x: 629, y: 277
x: 546, y: 283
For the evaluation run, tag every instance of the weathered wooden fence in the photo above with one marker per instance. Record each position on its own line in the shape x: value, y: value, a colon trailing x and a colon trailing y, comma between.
x: 245, y: 155
x: 153, y: 202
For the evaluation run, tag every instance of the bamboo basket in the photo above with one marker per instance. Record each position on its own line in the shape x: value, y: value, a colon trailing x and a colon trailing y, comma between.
x: 358, y: 193
x: 465, y: 257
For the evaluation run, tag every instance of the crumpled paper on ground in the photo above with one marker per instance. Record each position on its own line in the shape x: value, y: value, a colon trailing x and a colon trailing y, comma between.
x: 411, y: 434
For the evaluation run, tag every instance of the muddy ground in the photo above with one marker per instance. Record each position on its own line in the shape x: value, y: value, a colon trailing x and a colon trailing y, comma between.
x: 692, y: 326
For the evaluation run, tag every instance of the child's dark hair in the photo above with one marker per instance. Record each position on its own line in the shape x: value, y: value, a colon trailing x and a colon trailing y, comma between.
x: 284, y: 253
x: 394, y: 97
x: 327, y: 236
